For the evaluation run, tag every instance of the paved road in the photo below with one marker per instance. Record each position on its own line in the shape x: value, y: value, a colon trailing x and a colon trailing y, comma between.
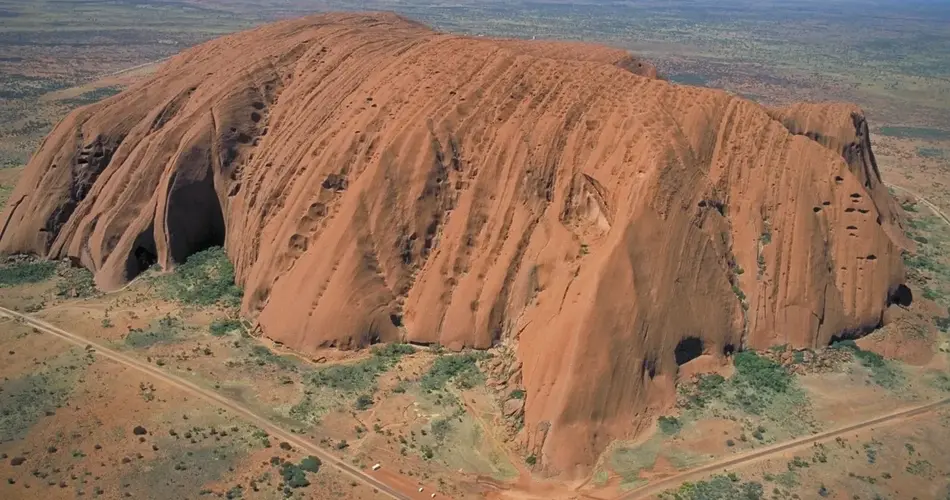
x: 215, y: 399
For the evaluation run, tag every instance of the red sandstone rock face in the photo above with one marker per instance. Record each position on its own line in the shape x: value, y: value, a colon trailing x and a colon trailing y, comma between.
x: 375, y: 181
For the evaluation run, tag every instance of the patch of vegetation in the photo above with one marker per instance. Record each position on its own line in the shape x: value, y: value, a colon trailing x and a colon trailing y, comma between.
x: 76, y: 282
x: 5, y: 192
x: 311, y: 463
x: 915, y: 133
x: 363, y: 402
x: 669, y: 425
x: 294, y: 476
x: 752, y: 369
x: 517, y: 394
x: 786, y: 480
x: 759, y: 387
x: 206, y: 278
x: 26, y: 271
x: 90, y: 97
x: 185, y: 469
x: 261, y: 355
x: 361, y: 376
x: 25, y: 400
x: 883, y: 372
x: 921, y: 468
x: 164, y: 331
x: 462, y: 368
x: 927, y: 152
x: 628, y: 461
x: 223, y: 326
x: 718, y: 488
x: 441, y: 427
x: 940, y: 380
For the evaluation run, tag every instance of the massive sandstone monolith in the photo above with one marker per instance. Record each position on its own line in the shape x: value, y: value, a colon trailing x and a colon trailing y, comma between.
x: 373, y: 180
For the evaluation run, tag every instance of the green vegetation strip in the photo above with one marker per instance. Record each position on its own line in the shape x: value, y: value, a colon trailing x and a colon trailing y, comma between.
x: 26, y: 272
x: 206, y: 278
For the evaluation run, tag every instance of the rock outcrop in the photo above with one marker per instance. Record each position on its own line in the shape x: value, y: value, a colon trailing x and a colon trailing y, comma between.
x: 373, y: 180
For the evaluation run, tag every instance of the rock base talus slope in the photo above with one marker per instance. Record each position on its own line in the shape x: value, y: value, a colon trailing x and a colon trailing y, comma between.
x: 373, y: 180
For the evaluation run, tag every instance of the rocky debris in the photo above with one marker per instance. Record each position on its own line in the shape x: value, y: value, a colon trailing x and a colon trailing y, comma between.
x: 610, y: 244
x: 805, y: 361
x: 15, y: 461
x: 513, y: 407
x: 139, y: 430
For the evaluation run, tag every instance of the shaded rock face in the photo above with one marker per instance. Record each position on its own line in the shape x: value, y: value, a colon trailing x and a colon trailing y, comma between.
x: 375, y: 181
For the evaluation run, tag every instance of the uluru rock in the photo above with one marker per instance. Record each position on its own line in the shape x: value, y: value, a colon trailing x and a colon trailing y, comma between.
x: 373, y: 180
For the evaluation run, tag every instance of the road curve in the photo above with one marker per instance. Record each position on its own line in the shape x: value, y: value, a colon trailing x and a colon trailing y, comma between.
x: 923, y: 200
x: 214, y: 398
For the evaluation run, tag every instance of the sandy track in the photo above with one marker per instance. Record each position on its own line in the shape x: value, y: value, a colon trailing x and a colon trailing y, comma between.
x: 215, y: 399
x: 923, y: 200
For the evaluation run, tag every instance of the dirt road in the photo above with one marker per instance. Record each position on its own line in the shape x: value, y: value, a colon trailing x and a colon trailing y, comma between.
x: 217, y: 400
x: 923, y: 200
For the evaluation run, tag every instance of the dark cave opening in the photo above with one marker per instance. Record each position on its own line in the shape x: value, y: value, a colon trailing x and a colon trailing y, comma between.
x: 687, y: 350
x: 145, y: 258
x: 648, y: 367
x: 728, y: 350
x: 143, y: 255
x: 854, y: 333
x: 900, y: 295
x: 193, y: 217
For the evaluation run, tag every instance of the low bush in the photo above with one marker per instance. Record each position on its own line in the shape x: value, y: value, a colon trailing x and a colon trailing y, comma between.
x: 76, y: 282
x: 363, y: 402
x: 883, y: 372
x: 669, y: 425
x: 718, y: 488
x: 223, y: 326
x: 24, y: 272
x: 441, y: 428
x: 462, y: 368
x: 362, y: 375
x: 206, y: 278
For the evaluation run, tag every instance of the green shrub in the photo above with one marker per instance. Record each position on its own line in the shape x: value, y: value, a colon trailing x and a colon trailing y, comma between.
x: 517, y: 394
x: 756, y: 371
x: 165, y: 330
x: 294, y: 476
x: 363, y: 402
x: 883, y: 373
x: 76, y: 282
x: 311, y: 464
x: 26, y: 272
x: 206, y: 278
x: 223, y: 326
x: 719, y: 488
x: 262, y: 355
x: 670, y: 425
x: 461, y: 367
x: 394, y: 351
x: 362, y: 375
x: 531, y: 460
x: 441, y: 428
